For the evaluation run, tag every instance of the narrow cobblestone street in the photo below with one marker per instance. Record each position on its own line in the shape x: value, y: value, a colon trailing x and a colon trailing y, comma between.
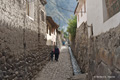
x: 31, y: 29
x: 60, y: 70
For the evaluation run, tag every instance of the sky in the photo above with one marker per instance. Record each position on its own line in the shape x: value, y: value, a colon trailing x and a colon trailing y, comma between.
x: 61, y: 11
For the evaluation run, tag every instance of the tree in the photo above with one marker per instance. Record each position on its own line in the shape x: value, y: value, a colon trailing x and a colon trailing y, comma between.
x: 72, y: 25
x: 66, y: 35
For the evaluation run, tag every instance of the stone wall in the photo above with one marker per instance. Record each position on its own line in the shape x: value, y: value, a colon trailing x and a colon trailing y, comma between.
x: 17, y: 30
x: 104, y: 56
x: 22, y: 40
x: 99, y: 56
x: 26, y: 66
x: 81, y: 47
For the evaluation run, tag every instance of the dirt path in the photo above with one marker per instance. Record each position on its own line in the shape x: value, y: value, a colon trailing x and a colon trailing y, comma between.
x: 60, y: 70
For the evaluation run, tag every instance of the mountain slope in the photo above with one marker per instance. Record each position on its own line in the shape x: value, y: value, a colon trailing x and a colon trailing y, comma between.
x: 60, y: 10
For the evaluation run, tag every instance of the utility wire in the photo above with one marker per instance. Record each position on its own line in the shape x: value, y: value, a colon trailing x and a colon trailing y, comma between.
x: 62, y: 17
x: 66, y: 9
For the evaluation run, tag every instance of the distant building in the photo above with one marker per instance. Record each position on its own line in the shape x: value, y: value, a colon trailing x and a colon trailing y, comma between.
x: 51, y: 31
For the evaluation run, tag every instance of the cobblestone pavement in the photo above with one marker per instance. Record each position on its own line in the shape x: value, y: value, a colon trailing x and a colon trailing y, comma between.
x: 60, y: 70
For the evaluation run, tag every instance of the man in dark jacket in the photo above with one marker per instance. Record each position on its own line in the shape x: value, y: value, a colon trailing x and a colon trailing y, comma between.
x: 56, y: 52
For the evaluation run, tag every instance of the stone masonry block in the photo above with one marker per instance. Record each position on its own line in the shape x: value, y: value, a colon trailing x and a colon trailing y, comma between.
x: 102, y: 70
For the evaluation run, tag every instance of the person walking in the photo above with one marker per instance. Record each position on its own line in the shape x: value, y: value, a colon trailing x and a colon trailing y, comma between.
x: 56, y: 52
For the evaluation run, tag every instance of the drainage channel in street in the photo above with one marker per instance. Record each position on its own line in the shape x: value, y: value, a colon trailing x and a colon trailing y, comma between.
x: 76, y: 68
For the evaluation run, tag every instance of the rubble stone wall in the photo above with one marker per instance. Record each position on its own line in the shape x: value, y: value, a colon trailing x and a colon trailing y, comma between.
x: 17, y: 30
x: 22, y: 49
x: 81, y: 47
x: 26, y: 66
x: 104, y: 57
x: 99, y: 56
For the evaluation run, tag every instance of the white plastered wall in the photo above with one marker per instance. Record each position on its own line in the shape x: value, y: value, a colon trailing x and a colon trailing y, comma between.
x: 95, y: 17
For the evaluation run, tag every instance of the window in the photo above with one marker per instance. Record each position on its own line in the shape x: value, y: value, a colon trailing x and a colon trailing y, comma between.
x: 92, y: 30
x: 113, y: 7
x: 85, y: 6
x: 52, y: 30
x: 110, y: 8
x: 49, y: 31
x: 42, y: 15
x: 30, y: 8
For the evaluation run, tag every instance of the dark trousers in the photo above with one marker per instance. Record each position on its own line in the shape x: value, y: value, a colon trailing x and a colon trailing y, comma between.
x: 52, y: 57
x: 56, y: 56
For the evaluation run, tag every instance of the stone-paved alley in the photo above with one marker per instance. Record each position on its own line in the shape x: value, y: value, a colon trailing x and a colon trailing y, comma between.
x: 60, y: 70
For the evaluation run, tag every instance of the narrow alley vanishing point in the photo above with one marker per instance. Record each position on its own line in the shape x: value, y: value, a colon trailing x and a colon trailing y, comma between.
x: 60, y: 70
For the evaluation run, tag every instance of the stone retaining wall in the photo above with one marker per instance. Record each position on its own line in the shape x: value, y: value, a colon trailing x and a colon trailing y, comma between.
x: 22, y: 40
x: 17, y: 30
x: 99, y: 56
x: 105, y: 55
x: 26, y: 66
x: 81, y: 47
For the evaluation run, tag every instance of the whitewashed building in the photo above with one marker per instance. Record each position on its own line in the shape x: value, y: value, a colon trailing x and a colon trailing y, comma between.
x: 51, y: 31
x: 103, y: 15
x: 81, y: 12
